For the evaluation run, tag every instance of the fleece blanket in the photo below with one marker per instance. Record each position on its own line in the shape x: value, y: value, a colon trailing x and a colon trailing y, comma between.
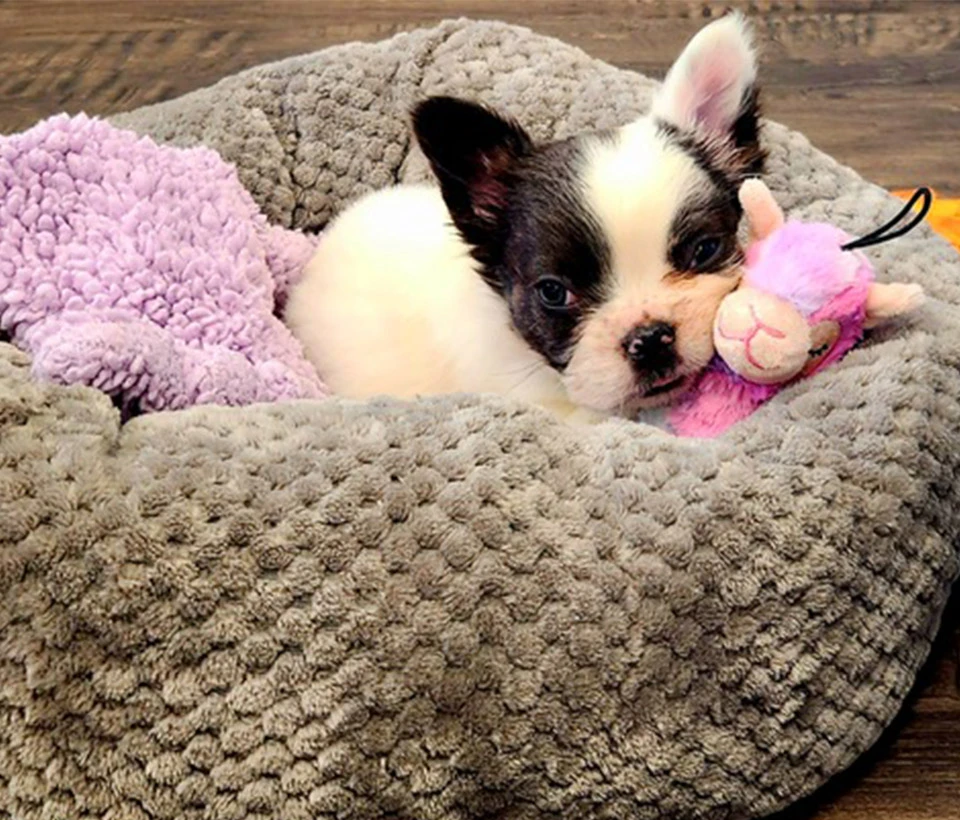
x: 145, y: 271
x: 459, y: 608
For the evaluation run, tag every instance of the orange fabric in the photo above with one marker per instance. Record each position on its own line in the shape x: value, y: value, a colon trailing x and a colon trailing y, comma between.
x: 944, y: 216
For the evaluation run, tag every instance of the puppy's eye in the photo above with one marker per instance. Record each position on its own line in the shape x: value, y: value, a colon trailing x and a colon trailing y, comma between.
x: 705, y: 251
x: 553, y: 294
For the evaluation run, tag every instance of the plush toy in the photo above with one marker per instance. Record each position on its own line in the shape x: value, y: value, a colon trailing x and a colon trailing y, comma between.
x: 806, y: 297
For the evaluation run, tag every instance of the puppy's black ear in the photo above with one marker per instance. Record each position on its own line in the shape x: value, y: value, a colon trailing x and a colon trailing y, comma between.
x: 473, y: 152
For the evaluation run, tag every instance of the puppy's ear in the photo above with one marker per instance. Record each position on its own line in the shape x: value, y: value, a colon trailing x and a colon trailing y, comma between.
x: 711, y: 90
x: 473, y: 152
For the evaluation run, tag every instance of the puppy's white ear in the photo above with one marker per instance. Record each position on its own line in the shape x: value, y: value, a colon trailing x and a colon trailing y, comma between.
x: 711, y: 87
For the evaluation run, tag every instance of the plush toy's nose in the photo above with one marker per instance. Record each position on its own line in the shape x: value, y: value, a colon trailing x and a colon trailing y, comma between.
x: 761, y: 337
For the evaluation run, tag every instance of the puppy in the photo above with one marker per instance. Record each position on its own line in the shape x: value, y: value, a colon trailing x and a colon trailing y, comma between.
x: 582, y: 275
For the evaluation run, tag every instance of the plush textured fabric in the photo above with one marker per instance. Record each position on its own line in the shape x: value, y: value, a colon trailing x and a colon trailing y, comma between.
x: 144, y: 270
x: 459, y: 608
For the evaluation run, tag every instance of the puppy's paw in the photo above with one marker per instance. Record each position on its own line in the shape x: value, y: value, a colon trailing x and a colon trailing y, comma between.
x: 584, y: 416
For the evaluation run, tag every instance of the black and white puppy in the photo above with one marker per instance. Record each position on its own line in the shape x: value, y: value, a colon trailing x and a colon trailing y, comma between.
x: 582, y: 275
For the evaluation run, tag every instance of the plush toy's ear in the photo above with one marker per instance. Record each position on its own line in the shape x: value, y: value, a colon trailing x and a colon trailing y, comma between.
x: 887, y: 301
x: 763, y: 213
x: 711, y: 89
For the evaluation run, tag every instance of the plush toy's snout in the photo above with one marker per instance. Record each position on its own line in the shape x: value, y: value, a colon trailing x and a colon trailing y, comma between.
x: 761, y: 336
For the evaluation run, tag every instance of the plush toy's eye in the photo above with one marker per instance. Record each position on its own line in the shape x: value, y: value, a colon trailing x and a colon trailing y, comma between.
x: 554, y: 294
x: 823, y: 337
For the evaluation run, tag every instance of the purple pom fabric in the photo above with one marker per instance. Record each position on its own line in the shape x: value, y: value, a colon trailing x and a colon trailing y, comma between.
x: 143, y: 270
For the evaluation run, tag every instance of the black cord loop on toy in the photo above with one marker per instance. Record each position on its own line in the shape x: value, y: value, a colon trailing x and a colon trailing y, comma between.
x: 881, y: 235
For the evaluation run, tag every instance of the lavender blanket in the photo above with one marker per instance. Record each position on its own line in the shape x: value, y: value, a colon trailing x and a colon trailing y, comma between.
x: 143, y: 270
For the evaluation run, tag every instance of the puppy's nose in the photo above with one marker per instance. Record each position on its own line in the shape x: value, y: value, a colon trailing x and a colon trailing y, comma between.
x: 651, y: 346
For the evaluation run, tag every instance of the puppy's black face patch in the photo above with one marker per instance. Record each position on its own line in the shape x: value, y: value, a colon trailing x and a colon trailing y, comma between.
x: 703, y: 236
x: 554, y: 258
x: 520, y: 209
x: 703, y: 233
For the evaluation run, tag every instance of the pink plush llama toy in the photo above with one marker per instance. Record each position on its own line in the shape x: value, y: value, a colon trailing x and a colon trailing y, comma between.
x: 806, y: 297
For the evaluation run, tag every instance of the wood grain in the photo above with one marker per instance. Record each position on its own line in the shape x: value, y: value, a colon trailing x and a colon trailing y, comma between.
x: 876, y: 83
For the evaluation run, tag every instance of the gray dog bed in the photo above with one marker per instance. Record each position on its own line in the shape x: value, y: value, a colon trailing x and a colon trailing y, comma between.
x: 459, y: 608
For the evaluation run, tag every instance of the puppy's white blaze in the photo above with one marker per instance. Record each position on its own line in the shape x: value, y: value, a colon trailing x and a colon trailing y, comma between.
x: 391, y: 304
x: 634, y: 184
x: 705, y: 86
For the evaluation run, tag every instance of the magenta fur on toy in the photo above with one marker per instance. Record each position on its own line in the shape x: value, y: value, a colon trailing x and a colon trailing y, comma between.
x: 804, y: 301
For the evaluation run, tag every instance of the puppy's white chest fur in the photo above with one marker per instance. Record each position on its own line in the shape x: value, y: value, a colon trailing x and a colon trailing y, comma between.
x: 392, y: 304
